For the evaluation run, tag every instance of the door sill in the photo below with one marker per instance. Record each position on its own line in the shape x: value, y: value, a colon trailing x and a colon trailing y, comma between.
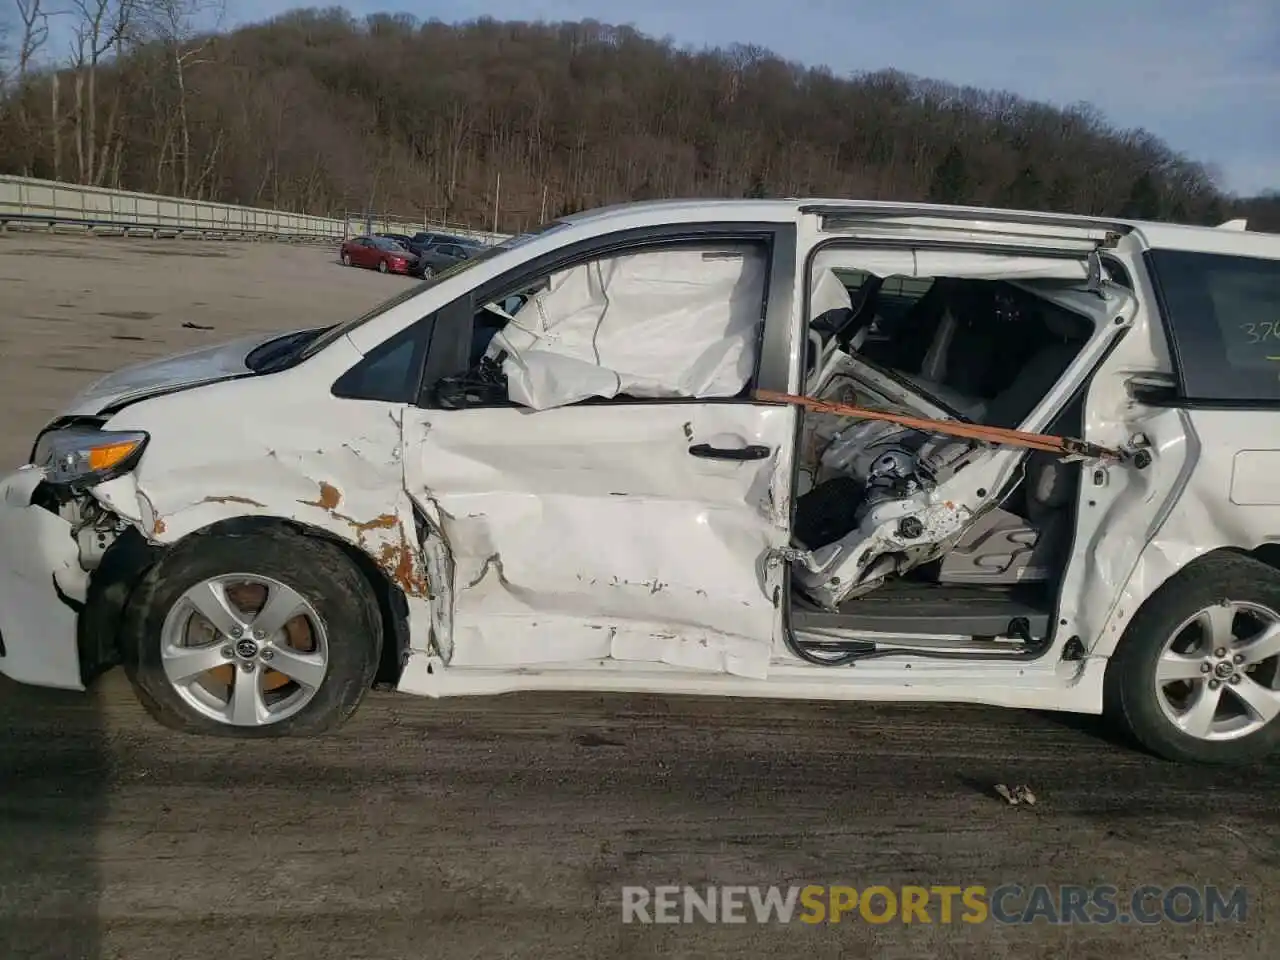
x: 935, y: 610
x: 1069, y: 686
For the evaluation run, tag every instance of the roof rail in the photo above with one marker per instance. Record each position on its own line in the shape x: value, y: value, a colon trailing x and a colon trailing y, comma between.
x: 1238, y: 225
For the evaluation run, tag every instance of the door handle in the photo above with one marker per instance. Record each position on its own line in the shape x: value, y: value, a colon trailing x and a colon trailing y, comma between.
x: 753, y: 451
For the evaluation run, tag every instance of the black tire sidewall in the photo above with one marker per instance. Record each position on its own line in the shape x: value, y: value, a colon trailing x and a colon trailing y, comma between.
x: 317, y: 569
x: 1131, y: 695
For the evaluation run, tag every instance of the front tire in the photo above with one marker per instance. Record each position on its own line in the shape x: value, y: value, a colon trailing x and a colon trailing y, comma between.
x: 346, y: 259
x: 1196, y: 676
x: 266, y: 634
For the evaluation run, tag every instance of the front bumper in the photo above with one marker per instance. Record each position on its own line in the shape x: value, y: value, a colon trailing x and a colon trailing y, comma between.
x: 42, y: 588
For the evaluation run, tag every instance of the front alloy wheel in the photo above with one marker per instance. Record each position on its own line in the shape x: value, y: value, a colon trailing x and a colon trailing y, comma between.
x: 261, y: 634
x: 244, y: 650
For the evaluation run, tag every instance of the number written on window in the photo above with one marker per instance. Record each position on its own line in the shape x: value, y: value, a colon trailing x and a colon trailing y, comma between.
x: 1223, y: 319
x: 1267, y: 330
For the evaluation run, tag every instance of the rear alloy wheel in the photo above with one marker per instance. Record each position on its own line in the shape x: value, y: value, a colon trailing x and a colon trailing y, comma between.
x: 382, y: 266
x: 1197, y: 675
x: 346, y: 259
x: 268, y: 634
x: 427, y: 272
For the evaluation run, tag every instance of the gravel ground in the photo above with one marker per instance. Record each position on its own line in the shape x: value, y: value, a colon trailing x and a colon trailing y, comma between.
x: 505, y: 827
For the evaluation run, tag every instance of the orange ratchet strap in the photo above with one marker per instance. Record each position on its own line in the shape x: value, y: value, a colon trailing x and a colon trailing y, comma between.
x: 1065, y: 446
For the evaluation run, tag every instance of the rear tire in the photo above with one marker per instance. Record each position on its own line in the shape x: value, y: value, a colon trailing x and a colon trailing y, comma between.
x: 346, y: 636
x: 382, y: 266
x: 1195, y: 678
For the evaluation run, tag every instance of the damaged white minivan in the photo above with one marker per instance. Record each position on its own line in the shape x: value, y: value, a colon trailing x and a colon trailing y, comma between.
x: 555, y: 466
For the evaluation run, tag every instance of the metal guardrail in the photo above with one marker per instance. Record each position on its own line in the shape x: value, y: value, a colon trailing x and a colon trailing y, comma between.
x: 25, y: 201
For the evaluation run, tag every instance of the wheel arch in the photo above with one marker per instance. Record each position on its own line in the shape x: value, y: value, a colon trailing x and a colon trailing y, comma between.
x: 132, y: 557
x: 1266, y: 553
x: 1231, y: 573
x: 1121, y: 618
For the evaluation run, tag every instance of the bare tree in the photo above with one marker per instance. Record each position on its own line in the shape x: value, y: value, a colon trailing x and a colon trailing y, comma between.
x: 101, y: 27
x: 315, y: 111
x: 6, y: 65
x: 33, y: 33
x: 184, y: 27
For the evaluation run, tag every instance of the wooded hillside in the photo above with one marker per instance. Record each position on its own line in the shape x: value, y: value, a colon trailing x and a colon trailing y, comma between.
x: 319, y: 112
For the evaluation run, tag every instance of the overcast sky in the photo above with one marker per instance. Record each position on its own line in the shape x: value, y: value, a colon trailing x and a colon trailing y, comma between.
x: 1205, y: 77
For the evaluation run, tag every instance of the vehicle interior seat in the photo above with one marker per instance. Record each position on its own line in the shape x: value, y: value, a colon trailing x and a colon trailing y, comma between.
x: 959, y: 356
x: 1067, y: 334
x: 914, y: 332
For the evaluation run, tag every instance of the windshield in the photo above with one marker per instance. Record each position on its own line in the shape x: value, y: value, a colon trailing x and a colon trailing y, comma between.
x: 482, y: 254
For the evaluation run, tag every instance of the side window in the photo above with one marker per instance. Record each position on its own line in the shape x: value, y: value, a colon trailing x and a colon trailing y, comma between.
x: 391, y: 372
x: 675, y: 320
x: 1222, y: 314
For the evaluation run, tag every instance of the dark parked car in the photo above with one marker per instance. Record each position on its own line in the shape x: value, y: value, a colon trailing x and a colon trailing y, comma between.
x: 441, y: 256
x: 403, y: 239
x: 426, y: 238
x: 378, y: 253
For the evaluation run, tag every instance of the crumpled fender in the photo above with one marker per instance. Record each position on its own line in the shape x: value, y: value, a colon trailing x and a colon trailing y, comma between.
x: 352, y: 489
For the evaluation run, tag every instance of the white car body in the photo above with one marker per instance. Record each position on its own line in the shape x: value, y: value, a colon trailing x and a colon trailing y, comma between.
x: 581, y: 547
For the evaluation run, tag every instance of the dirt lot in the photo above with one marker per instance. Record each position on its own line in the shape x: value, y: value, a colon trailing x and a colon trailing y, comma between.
x: 506, y: 827
x: 74, y: 308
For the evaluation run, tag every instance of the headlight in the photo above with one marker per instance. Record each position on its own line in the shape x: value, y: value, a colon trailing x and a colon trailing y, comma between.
x: 83, y: 456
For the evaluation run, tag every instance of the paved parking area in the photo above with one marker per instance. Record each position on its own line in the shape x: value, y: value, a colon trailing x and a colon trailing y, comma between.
x: 506, y: 827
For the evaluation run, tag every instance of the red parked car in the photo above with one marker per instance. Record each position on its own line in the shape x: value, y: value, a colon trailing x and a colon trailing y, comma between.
x: 378, y: 253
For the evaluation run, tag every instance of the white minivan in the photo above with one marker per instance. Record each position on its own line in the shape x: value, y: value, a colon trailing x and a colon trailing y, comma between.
x: 551, y: 468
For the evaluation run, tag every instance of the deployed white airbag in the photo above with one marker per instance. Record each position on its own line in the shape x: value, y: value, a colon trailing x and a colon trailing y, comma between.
x: 973, y: 265
x: 828, y: 293
x: 680, y: 322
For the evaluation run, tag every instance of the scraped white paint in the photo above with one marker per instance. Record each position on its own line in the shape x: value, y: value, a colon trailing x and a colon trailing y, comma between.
x: 586, y: 532
x: 331, y: 464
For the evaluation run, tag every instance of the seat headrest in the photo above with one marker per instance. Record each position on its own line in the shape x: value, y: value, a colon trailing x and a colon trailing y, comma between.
x: 1066, y: 325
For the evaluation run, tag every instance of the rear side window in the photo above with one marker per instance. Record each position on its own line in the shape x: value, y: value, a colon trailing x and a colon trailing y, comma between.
x: 1222, y: 313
